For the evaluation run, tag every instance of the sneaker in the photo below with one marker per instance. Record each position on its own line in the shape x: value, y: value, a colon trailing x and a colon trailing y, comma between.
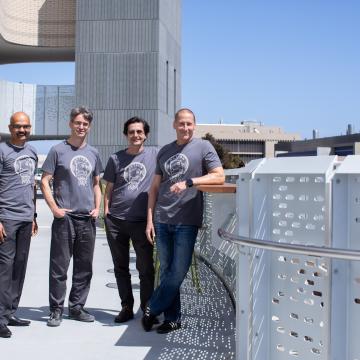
x: 148, y: 320
x: 168, y: 326
x: 55, y: 318
x: 124, y: 315
x: 80, y: 314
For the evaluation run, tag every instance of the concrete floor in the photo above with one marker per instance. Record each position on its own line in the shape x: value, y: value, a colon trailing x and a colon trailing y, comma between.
x: 208, y: 317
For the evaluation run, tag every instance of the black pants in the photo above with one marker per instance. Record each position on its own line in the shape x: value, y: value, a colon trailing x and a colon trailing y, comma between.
x: 71, y: 237
x: 14, y: 254
x: 119, y: 232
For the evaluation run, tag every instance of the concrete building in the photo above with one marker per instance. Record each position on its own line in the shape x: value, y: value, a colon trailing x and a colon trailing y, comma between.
x: 341, y: 145
x: 127, y: 54
x: 251, y: 140
x: 47, y: 105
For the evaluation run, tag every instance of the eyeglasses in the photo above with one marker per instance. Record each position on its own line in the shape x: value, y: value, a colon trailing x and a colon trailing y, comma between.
x: 18, y: 127
x: 137, y: 132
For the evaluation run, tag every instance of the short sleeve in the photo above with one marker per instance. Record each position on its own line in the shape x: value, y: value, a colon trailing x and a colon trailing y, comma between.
x: 110, y: 171
x: 158, y: 170
x: 98, y: 165
x: 210, y: 157
x: 49, y: 165
x: 36, y: 160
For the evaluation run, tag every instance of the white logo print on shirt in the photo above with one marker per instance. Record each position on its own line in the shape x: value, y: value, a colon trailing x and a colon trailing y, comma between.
x: 24, y: 166
x: 134, y: 174
x: 81, y: 168
x: 176, y: 167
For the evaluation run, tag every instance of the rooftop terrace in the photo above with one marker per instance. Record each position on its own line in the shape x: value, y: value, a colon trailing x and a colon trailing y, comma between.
x: 208, y: 315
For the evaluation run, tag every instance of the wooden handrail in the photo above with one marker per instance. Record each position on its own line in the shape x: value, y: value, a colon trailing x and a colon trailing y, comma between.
x: 225, y: 188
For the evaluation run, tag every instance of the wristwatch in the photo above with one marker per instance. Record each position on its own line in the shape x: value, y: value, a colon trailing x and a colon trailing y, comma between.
x: 189, y: 183
x: 35, y: 215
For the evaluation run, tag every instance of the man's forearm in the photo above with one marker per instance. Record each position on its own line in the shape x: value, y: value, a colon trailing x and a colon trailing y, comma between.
x: 97, y: 196
x: 210, y: 179
x: 45, y: 188
x: 150, y: 208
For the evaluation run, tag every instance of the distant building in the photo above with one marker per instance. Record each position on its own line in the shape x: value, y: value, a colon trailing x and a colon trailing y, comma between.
x: 47, y: 105
x: 341, y: 145
x: 251, y: 140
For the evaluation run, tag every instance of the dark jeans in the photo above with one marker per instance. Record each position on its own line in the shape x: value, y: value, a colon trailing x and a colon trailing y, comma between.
x: 175, y: 244
x: 119, y: 232
x: 71, y: 237
x: 13, y: 260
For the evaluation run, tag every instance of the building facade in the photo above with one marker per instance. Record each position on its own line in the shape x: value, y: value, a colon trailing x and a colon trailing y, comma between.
x: 127, y: 55
x: 250, y: 140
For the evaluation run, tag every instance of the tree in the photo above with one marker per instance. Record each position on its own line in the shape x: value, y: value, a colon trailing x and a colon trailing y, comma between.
x: 228, y: 161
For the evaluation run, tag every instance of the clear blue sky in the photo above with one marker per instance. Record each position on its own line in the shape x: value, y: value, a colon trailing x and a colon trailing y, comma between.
x: 292, y: 63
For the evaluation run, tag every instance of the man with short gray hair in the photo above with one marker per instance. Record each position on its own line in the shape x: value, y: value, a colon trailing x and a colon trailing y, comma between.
x: 74, y: 166
x: 175, y: 212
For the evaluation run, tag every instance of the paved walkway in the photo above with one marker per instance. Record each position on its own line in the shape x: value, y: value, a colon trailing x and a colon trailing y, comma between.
x: 208, y: 321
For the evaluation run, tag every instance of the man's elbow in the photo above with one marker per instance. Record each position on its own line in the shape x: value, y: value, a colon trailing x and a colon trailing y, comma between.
x: 220, y: 179
x: 43, y: 184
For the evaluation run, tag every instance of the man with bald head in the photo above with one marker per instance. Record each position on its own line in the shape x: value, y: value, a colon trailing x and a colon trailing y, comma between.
x: 18, y: 161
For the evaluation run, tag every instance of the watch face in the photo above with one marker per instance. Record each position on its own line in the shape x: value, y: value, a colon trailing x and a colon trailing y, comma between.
x: 189, y: 183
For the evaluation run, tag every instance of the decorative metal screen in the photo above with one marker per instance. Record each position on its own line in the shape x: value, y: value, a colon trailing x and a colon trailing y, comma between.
x: 346, y: 274
x: 286, y: 309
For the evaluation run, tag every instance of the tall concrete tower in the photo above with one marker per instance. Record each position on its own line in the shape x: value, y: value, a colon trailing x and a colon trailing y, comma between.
x: 128, y: 61
x: 127, y: 55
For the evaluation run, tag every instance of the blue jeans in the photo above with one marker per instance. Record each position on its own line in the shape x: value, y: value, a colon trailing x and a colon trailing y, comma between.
x: 175, y: 244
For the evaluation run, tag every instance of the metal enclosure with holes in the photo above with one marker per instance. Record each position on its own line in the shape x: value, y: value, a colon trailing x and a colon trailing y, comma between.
x: 346, y: 274
x: 283, y: 301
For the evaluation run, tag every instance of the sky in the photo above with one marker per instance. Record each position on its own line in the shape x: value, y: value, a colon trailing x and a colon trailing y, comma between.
x: 289, y: 63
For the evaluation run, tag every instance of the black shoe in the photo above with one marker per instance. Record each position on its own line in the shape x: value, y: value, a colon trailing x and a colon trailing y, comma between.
x: 124, y: 315
x: 55, y: 318
x: 80, y: 314
x: 15, y: 321
x: 148, y: 320
x: 155, y: 321
x: 4, y: 331
x: 168, y: 326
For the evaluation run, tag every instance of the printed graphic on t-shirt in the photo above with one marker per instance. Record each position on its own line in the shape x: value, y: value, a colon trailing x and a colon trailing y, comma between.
x: 134, y: 174
x: 25, y: 166
x: 81, y: 168
x: 176, y: 167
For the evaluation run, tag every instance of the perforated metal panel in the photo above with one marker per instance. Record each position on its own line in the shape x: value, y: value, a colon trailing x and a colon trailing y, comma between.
x: 346, y: 277
x: 288, y: 310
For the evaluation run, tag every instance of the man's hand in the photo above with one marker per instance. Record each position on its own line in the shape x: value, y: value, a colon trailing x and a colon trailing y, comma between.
x: 2, y: 233
x: 150, y: 232
x: 60, y: 213
x: 94, y: 213
x: 178, y: 187
x: 34, y: 229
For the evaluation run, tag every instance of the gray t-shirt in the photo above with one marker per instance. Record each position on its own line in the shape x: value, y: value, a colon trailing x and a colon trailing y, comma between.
x: 132, y: 176
x: 17, y: 168
x: 73, y: 170
x: 177, y: 163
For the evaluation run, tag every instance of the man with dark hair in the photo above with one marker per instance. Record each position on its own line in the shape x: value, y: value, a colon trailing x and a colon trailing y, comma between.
x: 177, y: 208
x: 74, y: 166
x: 18, y: 161
x: 129, y: 174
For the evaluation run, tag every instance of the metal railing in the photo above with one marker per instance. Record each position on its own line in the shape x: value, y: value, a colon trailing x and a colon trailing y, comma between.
x: 309, y: 250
